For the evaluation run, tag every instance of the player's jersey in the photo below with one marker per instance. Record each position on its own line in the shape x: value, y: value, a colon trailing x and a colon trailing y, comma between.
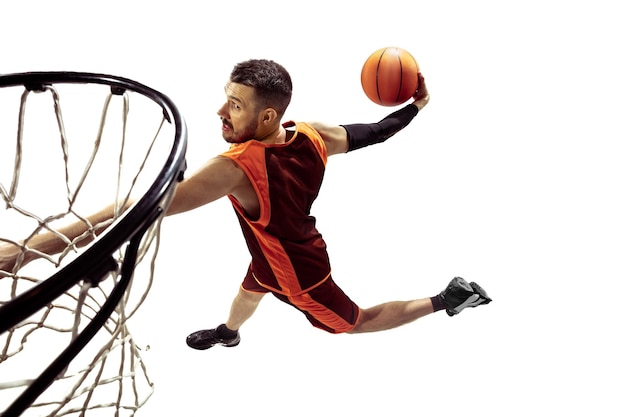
x: 288, y: 253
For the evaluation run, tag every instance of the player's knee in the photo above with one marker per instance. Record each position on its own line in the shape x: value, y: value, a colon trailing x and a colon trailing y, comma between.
x: 365, y: 316
x: 249, y: 296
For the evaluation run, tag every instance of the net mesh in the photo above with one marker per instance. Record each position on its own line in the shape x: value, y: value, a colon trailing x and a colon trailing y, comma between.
x: 51, y: 176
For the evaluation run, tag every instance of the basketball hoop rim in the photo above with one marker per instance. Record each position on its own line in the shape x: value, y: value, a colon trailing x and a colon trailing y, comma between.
x: 132, y: 222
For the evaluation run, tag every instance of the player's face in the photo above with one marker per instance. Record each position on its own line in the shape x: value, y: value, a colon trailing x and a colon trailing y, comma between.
x: 239, y: 116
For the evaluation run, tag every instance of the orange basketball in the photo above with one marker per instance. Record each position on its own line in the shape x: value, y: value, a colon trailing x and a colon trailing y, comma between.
x: 389, y: 76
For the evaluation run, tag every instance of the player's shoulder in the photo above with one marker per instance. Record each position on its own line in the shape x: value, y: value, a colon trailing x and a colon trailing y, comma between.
x: 326, y: 131
x: 319, y: 126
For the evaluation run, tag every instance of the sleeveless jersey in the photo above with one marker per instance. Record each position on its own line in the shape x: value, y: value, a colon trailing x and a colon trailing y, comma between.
x: 289, y: 255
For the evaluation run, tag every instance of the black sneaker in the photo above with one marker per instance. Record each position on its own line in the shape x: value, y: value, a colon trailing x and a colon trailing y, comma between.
x: 204, y: 339
x: 459, y: 294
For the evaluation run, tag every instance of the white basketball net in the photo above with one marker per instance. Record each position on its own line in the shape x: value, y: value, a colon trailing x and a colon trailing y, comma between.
x: 52, y: 175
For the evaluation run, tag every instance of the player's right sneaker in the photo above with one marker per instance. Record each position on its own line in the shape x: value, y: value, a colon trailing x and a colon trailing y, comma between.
x: 204, y: 339
x: 459, y: 294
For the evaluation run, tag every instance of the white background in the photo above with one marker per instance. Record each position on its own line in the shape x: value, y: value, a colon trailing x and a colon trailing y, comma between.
x: 513, y: 176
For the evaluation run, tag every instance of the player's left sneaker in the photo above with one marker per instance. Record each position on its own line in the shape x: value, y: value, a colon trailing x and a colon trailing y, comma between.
x: 460, y: 294
x: 204, y: 339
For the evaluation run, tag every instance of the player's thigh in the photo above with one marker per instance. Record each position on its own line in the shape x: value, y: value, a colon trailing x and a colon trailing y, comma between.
x: 328, y: 307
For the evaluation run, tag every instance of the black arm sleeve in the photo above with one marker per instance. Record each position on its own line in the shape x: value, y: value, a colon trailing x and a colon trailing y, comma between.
x: 362, y: 135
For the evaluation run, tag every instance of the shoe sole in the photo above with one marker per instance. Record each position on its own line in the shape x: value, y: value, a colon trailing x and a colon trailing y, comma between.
x: 205, y: 347
x: 232, y: 344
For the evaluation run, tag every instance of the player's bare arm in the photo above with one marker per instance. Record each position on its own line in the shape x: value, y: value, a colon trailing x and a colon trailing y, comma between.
x: 335, y: 137
x: 216, y: 179
x: 51, y: 243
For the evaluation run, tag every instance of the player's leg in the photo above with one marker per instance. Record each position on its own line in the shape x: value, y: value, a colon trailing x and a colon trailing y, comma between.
x: 392, y: 314
x: 458, y: 295
x: 242, y: 308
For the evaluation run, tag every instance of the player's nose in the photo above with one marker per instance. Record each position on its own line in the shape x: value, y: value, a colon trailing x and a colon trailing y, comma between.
x: 222, y: 111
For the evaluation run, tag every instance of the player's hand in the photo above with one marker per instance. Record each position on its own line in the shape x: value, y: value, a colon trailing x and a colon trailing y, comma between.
x: 421, y: 96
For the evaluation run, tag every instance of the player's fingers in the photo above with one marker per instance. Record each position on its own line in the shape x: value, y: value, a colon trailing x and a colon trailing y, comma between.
x: 421, y: 85
x: 422, y: 91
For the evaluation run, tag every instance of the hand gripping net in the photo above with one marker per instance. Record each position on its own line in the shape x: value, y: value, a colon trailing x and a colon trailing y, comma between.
x: 83, y: 142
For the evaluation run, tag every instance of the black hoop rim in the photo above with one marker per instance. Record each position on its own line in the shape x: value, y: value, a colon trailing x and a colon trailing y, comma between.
x: 130, y: 223
x: 96, y: 260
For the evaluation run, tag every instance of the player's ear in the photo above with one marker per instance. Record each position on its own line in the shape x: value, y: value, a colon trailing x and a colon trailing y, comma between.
x: 268, y: 116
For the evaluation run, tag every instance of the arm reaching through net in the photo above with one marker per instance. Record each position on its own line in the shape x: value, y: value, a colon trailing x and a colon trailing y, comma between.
x: 217, y: 178
x: 79, y: 233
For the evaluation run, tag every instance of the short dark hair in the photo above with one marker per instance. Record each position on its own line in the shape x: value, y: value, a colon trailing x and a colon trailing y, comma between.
x: 271, y: 82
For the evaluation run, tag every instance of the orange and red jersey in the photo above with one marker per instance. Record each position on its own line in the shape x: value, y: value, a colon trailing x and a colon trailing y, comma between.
x: 289, y: 255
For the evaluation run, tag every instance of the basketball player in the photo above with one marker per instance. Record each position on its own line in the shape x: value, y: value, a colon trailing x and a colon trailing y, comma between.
x: 272, y: 174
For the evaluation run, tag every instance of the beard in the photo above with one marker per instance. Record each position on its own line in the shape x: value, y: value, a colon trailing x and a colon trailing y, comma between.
x: 239, y: 136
